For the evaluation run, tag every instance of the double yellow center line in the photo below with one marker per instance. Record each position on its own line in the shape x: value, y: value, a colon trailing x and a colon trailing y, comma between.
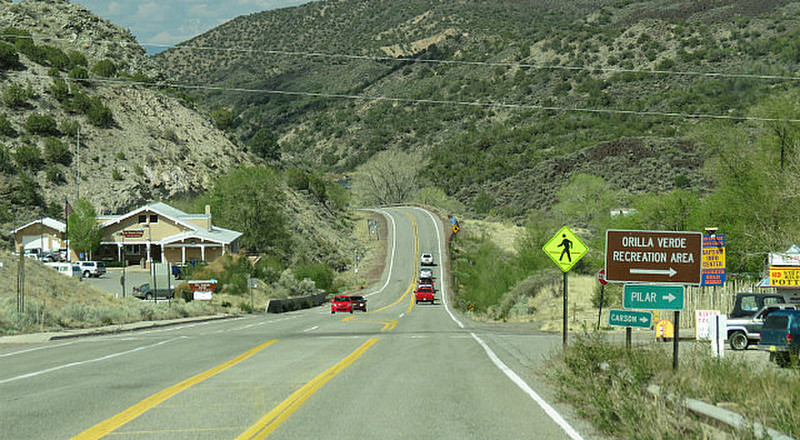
x: 267, y: 424
x: 106, y: 427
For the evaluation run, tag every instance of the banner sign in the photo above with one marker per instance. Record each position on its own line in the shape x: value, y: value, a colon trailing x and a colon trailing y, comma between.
x: 784, y: 276
x: 714, y: 271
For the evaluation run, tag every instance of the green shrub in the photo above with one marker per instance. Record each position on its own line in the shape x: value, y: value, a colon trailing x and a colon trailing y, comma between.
x: 54, y: 174
x: 60, y: 90
x: 116, y: 175
x: 9, y: 58
x: 99, y: 115
x: 6, y: 129
x: 77, y: 59
x: 297, y: 179
x: 41, y: 124
x: 80, y: 103
x: 28, y: 157
x: 70, y: 128
x: 79, y: 73
x: 27, y: 192
x: 57, y: 58
x: 137, y: 169
x: 105, y: 68
x: 56, y: 151
x: 223, y: 118
x: 6, y: 164
x: 16, y: 96
x: 320, y: 273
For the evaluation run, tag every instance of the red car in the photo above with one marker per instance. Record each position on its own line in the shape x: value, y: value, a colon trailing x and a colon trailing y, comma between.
x: 341, y: 303
x: 424, y: 292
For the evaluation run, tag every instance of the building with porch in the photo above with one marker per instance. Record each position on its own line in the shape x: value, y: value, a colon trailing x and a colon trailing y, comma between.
x: 154, y: 232
x: 159, y: 232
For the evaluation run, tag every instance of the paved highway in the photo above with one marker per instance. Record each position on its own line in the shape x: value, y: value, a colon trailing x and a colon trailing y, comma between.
x: 400, y: 371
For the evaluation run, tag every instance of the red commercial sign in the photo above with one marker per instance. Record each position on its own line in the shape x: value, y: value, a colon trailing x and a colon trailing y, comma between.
x: 654, y: 256
x: 133, y: 233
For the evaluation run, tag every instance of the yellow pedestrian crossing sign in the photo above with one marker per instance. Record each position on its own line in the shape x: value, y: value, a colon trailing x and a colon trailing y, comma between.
x: 565, y: 249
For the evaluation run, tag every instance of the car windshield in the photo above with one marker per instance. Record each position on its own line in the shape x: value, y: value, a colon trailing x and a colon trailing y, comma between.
x: 342, y: 298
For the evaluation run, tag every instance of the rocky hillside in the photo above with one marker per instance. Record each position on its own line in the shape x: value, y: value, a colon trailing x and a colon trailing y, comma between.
x: 505, y: 100
x: 153, y: 146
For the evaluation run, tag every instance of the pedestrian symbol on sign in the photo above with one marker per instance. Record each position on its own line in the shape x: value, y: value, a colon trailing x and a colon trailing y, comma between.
x: 567, y: 244
x: 565, y: 249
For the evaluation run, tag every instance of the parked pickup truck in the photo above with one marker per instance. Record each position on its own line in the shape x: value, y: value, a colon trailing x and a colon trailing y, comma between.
x: 144, y: 291
x: 745, y: 331
x: 780, y: 336
x: 424, y: 292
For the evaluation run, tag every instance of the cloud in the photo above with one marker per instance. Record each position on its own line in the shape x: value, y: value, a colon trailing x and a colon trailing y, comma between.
x: 152, y: 12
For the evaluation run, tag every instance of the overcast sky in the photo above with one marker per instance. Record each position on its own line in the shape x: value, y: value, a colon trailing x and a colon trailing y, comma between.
x: 157, y: 23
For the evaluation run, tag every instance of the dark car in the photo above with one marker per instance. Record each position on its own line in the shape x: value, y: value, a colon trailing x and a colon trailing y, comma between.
x: 144, y: 291
x: 358, y: 303
x: 780, y: 336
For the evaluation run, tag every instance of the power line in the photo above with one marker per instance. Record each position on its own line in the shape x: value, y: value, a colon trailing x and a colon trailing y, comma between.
x: 432, y: 61
x: 378, y: 98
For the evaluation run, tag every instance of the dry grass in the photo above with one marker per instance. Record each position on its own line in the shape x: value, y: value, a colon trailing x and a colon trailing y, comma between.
x: 54, y: 302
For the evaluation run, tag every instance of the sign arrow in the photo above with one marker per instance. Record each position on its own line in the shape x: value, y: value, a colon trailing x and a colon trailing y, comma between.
x: 670, y: 297
x: 671, y: 272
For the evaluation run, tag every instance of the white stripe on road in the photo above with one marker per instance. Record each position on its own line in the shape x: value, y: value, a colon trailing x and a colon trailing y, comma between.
x: 527, y: 389
x: 496, y: 360
x: 76, y: 364
x: 36, y: 349
x: 312, y: 328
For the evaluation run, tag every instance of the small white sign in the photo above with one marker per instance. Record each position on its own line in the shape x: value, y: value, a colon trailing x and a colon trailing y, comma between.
x: 202, y: 296
x: 702, y: 323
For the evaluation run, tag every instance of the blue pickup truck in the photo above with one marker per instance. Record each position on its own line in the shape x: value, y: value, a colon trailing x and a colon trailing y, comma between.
x: 780, y: 336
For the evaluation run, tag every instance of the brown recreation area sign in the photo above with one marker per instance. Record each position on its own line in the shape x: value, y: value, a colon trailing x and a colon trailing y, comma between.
x: 654, y: 256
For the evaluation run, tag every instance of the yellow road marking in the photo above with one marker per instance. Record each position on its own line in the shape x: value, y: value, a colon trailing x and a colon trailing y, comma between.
x: 389, y: 325
x: 410, y: 286
x: 272, y: 420
x: 106, y: 427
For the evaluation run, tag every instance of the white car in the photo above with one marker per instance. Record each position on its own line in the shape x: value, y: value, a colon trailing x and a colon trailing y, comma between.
x: 426, y: 259
x: 68, y: 269
x: 425, y: 273
x: 92, y: 268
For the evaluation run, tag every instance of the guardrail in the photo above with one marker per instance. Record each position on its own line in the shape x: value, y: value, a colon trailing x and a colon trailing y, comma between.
x: 290, y: 304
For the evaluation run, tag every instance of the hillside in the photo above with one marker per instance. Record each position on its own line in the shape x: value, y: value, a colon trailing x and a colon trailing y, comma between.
x: 502, y: 98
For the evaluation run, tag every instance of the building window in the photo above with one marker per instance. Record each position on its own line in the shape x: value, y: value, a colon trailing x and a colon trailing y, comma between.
x: 143, y: 218
x: 153, y: 218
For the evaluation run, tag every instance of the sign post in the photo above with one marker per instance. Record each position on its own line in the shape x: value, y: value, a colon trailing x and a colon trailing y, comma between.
x: 565, y: 249
x: 658, y: 257
x: 601, y: 277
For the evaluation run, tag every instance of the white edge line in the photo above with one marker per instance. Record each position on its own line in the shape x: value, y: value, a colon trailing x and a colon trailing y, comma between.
x: 76, y: 364
x: 436, y: 226
x: 528, y: 390
x: 394, y: 247
x: 551, y: 412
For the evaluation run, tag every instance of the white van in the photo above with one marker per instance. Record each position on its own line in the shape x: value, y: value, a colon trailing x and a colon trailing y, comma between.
x: 68, y: 269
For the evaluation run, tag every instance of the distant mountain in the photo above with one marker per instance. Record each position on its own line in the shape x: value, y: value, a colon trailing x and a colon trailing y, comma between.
x: 505, y: 99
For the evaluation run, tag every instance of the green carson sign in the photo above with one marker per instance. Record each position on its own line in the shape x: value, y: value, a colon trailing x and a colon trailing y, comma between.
x: 630, y: 318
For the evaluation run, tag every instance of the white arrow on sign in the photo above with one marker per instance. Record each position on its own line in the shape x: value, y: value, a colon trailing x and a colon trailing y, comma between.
x: 642, y: 319
x: 671, y: 272
x: 670, y: 297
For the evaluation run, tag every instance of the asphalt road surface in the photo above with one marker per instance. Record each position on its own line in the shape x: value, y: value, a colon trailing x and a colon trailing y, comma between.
x: 400, y: 371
